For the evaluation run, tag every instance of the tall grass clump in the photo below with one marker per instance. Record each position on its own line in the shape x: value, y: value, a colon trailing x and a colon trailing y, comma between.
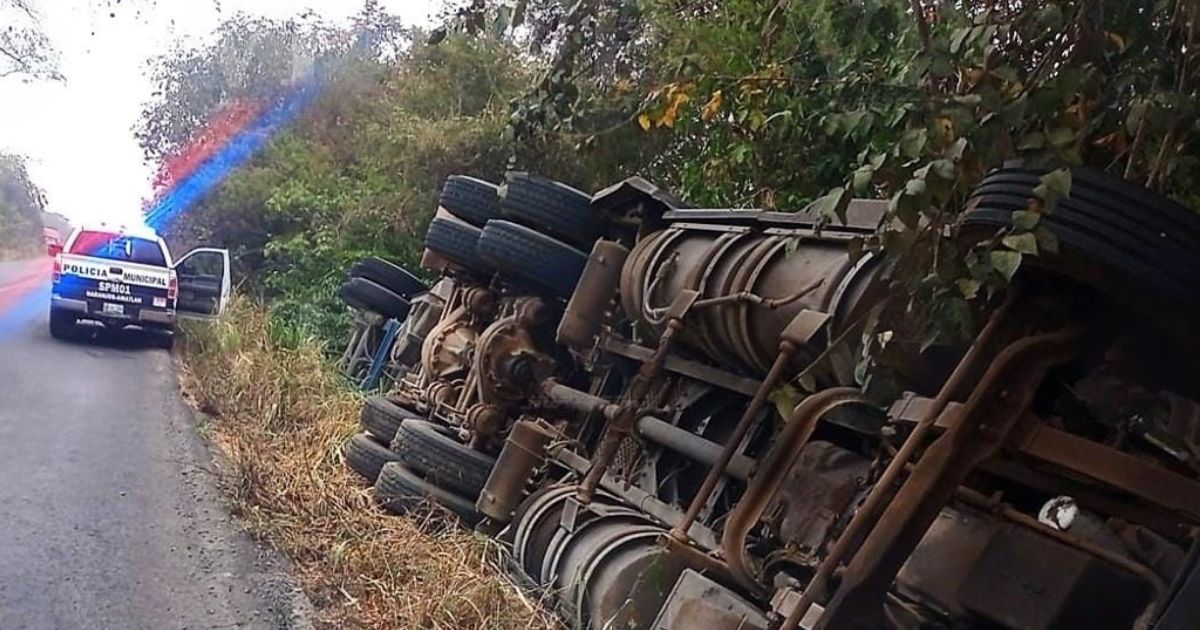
x: 280, y: 414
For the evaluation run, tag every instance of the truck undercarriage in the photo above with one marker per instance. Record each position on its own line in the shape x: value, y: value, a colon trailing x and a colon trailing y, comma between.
x: 681, y: 437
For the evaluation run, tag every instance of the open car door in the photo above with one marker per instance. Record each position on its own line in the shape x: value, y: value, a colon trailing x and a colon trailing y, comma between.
x: 203, y: 276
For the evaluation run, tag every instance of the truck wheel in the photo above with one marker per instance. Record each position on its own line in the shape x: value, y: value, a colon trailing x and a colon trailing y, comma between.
x: 1111, y: 233
x: 366, y: 295
x: 366, y: 457
x: 62, y: 324
x: 400, y: 490
x: 532, y: 257
x: 457, y: 242
x: 472, y: 200
x: 389, y: 276
x: 433, y: 451
x: 550, y: 206
x: 382, y: 418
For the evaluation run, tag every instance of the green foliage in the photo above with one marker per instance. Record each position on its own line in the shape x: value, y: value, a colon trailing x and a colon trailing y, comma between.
x: 782, y: 104
x: 21, y: 204
x: 359, y: 173
x: 732, y: 103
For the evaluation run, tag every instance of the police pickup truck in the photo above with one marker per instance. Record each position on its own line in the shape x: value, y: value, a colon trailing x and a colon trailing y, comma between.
x: 122, y: 277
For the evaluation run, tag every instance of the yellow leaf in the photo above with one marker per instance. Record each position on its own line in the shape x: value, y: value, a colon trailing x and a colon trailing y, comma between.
x: 712, y: 107
x: 644, y: 121
x: 671, y: 113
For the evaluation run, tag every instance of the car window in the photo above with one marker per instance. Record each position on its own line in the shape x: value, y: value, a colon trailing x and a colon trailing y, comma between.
x: 112, y: 246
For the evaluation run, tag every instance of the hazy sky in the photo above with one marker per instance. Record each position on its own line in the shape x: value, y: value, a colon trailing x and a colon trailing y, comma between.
x: 78, y: 133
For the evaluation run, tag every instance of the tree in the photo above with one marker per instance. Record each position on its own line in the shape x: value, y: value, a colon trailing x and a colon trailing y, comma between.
x: 24, y: 49
x: 21, y: 205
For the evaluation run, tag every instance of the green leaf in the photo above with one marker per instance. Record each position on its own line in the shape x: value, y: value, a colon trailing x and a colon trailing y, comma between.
x: 1005, y: 262
x: 912, y: 142
x: 1049, y: 18
x: 1046, y: 238
x: 1026, y: 219
x: 785, y: 398
x: 1031, y: 141
x: 944, y: 169
x: 956, y: 150
x: 958, y: 38
x: 832, y: 205
x: 862, y: 178
x: 1055, y: 185
x: 1026, y: 243
x: 968, y: 287
x: 1061, y: 136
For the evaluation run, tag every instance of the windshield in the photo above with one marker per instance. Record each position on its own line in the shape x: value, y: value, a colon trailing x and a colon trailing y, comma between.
x: 112, y: 246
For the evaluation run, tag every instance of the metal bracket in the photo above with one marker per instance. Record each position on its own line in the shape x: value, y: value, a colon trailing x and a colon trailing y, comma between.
x: 383, y: 354
x: 805, y: 326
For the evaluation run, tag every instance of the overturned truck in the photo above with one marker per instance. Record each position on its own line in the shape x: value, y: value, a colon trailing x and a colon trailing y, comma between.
x: 596, y: 379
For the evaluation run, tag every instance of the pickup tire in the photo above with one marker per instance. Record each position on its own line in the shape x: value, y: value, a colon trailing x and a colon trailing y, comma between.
x: 433, y: 451
x: 366, y: 457
x: 527, y: 255
x: 551, y: 207
x: 390, y: 276
x: 366, y: 295
x: 472, y: 200
x: 382, y: 418
x: 457, y: 242
x: 400, y: 490
x: 62, y: 324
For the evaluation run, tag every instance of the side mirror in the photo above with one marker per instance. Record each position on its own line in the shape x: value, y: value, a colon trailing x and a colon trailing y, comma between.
x: 54, y: 249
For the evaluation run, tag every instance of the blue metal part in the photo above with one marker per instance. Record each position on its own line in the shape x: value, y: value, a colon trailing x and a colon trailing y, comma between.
x: 391, y: 330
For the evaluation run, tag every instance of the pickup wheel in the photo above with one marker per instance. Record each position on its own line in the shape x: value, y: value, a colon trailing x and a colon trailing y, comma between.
x: 390, y: 276
x: 527, y: 255
x: 364, y: 294
x: 472, y: 200
x: 551, y: 207
x: 382, y: 418
x: 400, y: 490
x: 366, y: 457
x: 433, y: 451
x: 62, y: 324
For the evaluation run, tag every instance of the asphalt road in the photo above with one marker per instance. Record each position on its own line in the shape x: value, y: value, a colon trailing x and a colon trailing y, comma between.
x: 111, y: 517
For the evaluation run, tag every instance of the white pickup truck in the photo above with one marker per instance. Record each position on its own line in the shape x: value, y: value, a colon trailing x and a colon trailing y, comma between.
x: 125, y: 277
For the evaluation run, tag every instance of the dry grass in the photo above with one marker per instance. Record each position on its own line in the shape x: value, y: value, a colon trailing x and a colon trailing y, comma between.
x: 281, y: 414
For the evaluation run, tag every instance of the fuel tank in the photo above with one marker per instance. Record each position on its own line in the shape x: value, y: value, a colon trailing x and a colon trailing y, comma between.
x: 765, y: 278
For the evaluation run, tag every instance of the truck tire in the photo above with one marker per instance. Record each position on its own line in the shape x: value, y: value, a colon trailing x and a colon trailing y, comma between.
x: 62, y: 324
x: 431, y: 450
x: 472, y: 200
x: 366, y: 457
x: 551, y: 207
x: 532, y: 257
x: 457, y: 242
x: 1112, y: 234
x: 381, y: 418
x: 389, y: 276
x: 367, y: 295
x: 401, y: 490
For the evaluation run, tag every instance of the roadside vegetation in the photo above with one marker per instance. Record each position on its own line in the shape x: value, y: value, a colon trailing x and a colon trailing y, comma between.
x: 280, y: 414
x: 731, y: 103
x: 21, y: 204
